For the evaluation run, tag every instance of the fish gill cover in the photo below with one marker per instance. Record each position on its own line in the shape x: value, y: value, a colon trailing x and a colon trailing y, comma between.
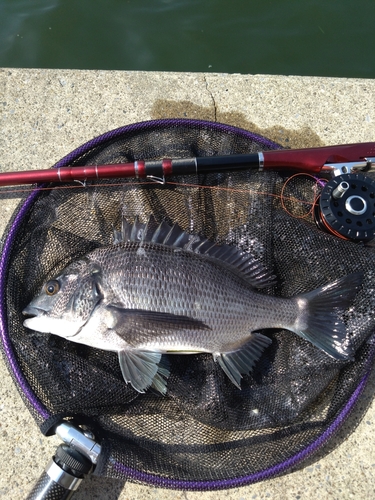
x: 204, y: 431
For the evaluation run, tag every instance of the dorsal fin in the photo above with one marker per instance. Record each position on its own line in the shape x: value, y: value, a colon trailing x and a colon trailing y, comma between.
x: 173, y: 236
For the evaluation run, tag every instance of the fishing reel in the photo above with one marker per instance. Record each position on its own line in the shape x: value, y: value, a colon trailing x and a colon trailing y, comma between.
x: 346, y: 206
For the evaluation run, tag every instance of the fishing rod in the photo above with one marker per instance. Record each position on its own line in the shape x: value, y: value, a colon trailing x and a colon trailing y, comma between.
x: 322, y: 160
x: 346, y: 205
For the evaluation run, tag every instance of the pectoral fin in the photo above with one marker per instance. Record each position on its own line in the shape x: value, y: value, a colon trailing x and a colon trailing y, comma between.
x: 138, y: 320
x: 141, y: 369
x: 239, y: 362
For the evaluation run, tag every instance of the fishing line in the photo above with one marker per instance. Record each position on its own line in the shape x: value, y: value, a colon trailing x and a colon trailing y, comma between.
x: 283, y: 198
x: 293, y: 199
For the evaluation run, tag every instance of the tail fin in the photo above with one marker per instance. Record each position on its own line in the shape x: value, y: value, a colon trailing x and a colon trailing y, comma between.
x: 322, y: 325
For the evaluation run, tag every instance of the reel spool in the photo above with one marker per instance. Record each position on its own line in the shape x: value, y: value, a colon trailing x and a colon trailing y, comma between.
x: 346, y: 207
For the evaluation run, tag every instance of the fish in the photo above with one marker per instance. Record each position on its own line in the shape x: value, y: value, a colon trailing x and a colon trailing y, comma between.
x: 159, y: 290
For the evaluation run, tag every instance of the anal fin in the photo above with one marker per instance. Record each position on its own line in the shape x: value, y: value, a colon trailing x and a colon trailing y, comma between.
x: 242, y: 361
x: 141, y: 369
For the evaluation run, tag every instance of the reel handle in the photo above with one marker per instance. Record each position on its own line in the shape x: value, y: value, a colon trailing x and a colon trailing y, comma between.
x: 62, y: 476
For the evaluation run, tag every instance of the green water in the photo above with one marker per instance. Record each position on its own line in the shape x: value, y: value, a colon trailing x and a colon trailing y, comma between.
x: 303, y: 37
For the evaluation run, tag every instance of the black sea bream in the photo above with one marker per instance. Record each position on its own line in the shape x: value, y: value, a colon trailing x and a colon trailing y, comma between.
x: 159, y: 290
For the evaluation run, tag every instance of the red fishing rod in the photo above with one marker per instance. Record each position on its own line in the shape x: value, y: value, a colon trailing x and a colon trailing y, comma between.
x: 346, y: 207
x: 321, y: 160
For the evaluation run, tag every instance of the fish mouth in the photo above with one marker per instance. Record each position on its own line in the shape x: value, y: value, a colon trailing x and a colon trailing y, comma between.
x: 32, y: 311
x: 40, y: 321
x: 33, y: 314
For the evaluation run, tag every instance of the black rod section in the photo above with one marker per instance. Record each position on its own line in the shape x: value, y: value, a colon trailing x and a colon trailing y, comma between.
x: 232, y: 162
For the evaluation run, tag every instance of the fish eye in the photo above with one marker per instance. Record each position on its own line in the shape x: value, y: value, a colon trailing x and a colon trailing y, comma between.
x: 52, y: 287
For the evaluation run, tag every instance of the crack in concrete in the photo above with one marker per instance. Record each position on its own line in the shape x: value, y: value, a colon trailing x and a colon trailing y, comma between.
x: 212, y: 98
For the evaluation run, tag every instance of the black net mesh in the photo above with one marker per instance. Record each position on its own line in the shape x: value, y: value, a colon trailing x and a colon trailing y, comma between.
x: 204, y: 430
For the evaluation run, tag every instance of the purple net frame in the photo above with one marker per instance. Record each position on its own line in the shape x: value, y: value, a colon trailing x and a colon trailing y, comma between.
x: 43, y: 412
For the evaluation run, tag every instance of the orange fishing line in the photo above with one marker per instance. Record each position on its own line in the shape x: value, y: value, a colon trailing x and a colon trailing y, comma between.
x: 283, y: 198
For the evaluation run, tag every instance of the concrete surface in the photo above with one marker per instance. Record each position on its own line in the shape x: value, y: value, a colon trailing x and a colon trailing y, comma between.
x: 44, y: 114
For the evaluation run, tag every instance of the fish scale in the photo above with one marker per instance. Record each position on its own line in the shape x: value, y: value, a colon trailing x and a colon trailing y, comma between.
x: 159, y: 290
x: 174, y: 282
